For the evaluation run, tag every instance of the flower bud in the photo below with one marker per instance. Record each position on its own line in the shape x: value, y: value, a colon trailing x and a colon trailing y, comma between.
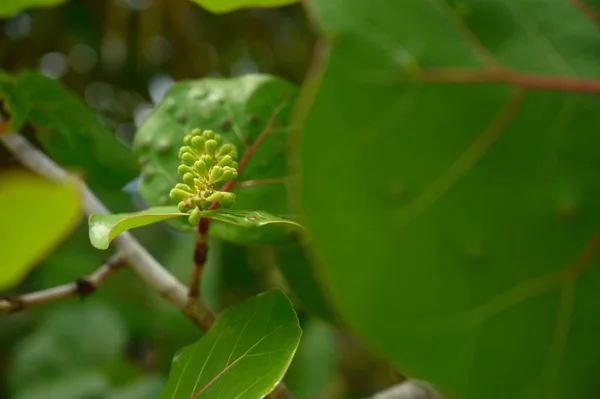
x: 188, y: 179
x: 198, y: 143
x: 226, y: 161
x: 178, y: 194
x: 209, y: 134
x: 183, y: 169
x: 215, y: 173
x: 185, y: 149
x: 194, y: 217
x: 183, y: 206
x: 215, y: 197
x: 211, y: 146
x: 226, y: 149
x: 208, y: 161
x: 228, y: 174
x: 200, y: 168
x: 183, y: 187
x: 188, y: 159
x: 196, y: 132
x: 227, y: 200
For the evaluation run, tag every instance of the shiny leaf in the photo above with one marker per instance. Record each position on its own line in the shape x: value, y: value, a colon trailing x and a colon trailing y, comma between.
x: 244, y: 355
x: 104, y: 228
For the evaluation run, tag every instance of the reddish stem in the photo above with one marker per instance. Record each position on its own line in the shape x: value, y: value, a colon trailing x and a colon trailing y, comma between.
x: 250, y: 151
x: 587, y: 11
x: 524, y: 80
x: 200, y: 254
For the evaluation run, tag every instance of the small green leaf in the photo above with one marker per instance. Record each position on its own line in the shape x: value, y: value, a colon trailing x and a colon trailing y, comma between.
x: 223, y: 6
x: 35, y: 214
x: 104, y: 228
x: 12, y: 7
x: 244, y: 355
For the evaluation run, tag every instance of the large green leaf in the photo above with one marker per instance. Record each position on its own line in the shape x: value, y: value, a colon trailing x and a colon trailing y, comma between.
x: 68, y: 130
x: 11, y: 7
x: 104, y: 228
x: 457, y: 222
x: 35, y: 215
x: 223, y: 6
x: 244, y: 355
x: 239, y: 109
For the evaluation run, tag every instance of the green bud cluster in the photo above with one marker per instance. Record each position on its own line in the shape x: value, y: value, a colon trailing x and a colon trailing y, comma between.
x: 205, y: 162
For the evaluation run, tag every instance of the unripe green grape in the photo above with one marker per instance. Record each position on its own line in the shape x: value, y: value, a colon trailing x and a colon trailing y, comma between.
x: 218, y: 138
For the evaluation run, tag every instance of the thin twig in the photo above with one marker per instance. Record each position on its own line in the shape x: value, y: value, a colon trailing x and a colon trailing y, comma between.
x: 136, y: 256
x: 82, y: 287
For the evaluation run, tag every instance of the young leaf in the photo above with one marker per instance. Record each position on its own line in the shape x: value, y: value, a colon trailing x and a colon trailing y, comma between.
x: 244, y: 355
x: 239, y: 109
x: 104, y: 228
x: 12, y: 7
x: 35, y: 215
x: 223, y: 6
x: 67, y: 128
x: 470, y: 153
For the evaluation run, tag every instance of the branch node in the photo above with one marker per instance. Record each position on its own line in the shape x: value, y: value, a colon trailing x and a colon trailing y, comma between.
x: 84, y: 287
